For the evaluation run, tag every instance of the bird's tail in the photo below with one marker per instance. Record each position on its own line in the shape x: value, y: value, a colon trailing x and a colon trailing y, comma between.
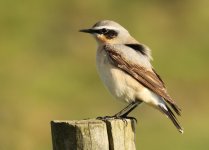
x: 168, y: 112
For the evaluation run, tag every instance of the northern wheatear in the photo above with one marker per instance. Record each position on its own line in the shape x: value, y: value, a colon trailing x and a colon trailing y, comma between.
x: 124, y: 66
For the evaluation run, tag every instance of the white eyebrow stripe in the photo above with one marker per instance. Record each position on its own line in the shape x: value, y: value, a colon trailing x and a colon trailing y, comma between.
x: 107, y: 27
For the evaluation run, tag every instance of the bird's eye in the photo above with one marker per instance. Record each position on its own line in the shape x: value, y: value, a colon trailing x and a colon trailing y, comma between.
x: 110, y: 34
x: 103, y: 31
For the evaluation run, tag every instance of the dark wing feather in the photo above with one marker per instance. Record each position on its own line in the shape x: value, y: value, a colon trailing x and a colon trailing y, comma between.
x: 149, y: 79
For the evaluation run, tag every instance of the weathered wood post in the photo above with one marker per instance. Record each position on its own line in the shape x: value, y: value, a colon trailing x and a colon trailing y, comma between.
x: 93, y: 134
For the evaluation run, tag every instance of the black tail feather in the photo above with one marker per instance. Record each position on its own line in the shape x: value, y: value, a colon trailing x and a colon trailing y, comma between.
x: 171, y: 116
x: 176, y: 108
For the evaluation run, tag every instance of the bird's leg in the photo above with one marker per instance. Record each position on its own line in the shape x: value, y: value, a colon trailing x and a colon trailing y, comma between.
x: 118, y: 114
x: 124, y: 112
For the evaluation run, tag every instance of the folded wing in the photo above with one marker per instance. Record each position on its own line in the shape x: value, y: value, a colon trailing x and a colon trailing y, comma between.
x: 148, y: 77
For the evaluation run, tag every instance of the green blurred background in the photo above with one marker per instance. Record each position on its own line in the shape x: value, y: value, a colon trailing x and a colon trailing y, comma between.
x: 47, y: 68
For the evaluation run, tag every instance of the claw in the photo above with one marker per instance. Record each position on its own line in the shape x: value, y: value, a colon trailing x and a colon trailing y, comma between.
x: 132, y: 118
x: 123, y: 118
x: 105, y: 117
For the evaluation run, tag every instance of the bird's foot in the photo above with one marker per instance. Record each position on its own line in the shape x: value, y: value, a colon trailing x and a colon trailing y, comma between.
x: 126, y: 117
x: 123, y: 118
x: 131, y: 118
x: 105, y: 118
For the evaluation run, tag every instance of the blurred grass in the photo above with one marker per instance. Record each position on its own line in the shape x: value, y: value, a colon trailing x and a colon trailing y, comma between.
x: 48, y: 68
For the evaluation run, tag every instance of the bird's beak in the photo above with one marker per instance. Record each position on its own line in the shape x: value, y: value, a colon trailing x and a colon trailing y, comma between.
x: 91, y: 31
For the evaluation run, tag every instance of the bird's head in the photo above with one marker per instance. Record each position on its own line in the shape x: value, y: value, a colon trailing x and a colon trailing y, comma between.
x: 108, y: 32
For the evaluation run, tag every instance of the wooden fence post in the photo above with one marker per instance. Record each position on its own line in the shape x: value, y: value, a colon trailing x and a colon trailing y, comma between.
x: 93, y: 134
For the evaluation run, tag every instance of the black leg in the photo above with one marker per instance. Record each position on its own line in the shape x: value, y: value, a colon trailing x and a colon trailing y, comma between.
x: 124, y: 112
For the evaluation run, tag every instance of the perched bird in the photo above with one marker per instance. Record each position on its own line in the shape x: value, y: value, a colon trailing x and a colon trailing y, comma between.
x: 124, y: 66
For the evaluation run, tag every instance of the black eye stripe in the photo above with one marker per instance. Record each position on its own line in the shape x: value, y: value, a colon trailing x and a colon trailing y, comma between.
x: 104, y: 31
x: 98, y: 31
x: 108, y: 33
x: 111, y: 34
x: 101, y: 31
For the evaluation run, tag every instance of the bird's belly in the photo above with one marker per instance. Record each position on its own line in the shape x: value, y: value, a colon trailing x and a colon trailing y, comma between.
x: 120, y: 84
